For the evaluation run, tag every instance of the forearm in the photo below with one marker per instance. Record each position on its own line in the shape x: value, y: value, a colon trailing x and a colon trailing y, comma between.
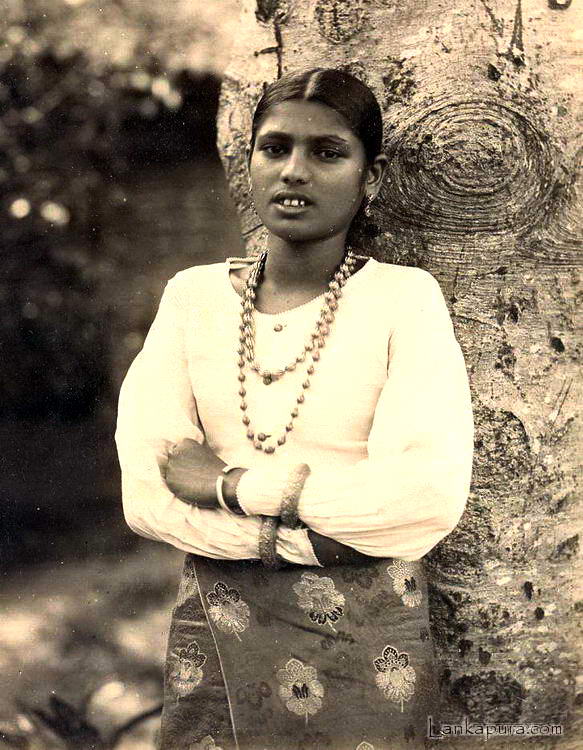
x: 194, y: 474
x: 153, y: 512
x: 196, y: 485
x: 399, y: 507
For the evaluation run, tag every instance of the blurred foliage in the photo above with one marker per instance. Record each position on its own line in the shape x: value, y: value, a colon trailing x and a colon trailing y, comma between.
x: 182, y: 34
x: 65, y: 727
x: 82, y: 651
x: 73, y: 123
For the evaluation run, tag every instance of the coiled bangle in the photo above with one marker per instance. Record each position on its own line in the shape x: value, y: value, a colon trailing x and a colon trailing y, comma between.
x: 268, y: 542
x: 291, y: 495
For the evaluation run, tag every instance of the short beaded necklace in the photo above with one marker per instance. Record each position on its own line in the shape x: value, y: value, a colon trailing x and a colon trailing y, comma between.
x: 246, y: 349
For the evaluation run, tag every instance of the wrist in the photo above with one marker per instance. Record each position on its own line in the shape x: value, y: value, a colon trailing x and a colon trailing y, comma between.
x: 226, y: 490
x: 259, y: 490
x: 230, y: 483
x: 273, y: 491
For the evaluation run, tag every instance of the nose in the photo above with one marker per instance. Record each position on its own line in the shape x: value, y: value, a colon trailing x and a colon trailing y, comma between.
x: 295, y: 169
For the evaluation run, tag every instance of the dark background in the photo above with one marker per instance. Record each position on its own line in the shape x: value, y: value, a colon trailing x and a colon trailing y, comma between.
x: 109, y: 183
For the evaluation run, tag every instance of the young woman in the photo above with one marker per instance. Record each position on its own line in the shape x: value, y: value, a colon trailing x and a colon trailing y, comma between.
x: 299, y: 423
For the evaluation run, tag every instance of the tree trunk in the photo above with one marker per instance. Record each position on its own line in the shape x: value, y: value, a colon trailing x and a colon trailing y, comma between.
x: 480, y: 105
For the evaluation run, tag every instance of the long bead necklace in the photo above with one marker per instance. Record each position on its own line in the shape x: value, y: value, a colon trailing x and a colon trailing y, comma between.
x: 311, y: 351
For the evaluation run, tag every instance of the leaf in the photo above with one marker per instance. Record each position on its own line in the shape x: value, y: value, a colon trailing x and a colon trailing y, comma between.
x: 68, y: 724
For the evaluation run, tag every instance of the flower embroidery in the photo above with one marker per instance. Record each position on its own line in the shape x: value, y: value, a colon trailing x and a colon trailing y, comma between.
x: 318, y: 597
x: 227, y: 610
x: 395, y: 677
x: 300, y: 688
x: 404, y: 583
x: 187, y: 672
x: 207, y: 743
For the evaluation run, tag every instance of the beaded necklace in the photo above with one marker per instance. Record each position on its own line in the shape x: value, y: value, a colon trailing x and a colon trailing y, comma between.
x: 311, y: 351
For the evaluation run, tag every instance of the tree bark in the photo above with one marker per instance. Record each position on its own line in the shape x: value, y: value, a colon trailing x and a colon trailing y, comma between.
x: 481, y: 103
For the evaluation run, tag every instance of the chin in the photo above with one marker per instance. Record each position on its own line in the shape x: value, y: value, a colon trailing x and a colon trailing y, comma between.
x: 304, y: 238
x: 301, y: 234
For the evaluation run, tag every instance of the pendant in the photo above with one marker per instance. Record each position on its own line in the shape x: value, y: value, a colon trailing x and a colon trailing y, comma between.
x: 267, y: 378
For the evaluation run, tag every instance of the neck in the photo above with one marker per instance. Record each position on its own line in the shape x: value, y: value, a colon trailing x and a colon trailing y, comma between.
x: 306, y: 265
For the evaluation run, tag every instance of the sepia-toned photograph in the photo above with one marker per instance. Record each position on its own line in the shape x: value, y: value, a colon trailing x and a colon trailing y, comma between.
x: 290, y: 382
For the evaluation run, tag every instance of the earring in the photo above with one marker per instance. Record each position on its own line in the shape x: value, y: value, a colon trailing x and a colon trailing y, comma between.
x: 367, y: 205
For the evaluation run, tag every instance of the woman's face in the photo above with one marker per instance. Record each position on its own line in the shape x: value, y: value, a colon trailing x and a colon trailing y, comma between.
x: 308, y: 171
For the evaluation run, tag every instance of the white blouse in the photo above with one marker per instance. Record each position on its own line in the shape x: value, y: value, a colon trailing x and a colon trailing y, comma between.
x: 386, y: 426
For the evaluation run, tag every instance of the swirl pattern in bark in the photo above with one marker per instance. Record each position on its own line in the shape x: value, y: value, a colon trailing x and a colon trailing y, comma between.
x: 469, y: 166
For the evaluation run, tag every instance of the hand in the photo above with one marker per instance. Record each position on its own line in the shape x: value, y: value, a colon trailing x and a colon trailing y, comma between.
x: 191, y: 473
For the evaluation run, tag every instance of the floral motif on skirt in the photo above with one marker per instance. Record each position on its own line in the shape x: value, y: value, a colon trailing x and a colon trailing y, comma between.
x: 296, y: 660
x: 186, y: 672
x: 396, y: 678
x: 317, y: 595
x: 300, y: 688
x: 227, y: 610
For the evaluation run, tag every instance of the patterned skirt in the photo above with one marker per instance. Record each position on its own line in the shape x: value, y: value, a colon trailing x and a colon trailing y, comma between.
x: 302, y: 658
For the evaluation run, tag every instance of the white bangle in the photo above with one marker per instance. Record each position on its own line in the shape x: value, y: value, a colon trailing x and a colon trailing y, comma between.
x: 219, y: 489
x: 221, y: 498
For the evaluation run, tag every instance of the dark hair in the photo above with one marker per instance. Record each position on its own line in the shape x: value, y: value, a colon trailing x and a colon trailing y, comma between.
x: 336, y: 89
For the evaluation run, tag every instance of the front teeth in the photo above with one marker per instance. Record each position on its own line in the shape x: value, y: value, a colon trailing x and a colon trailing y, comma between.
x: 297, y: 202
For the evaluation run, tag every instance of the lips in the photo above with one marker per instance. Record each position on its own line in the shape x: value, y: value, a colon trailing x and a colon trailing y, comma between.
x: 289, y: 199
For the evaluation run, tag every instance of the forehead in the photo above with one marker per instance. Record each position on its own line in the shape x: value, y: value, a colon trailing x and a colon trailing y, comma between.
x: 305, y: 119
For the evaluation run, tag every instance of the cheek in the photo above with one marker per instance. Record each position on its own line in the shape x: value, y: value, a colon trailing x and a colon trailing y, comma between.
x: 347, y: 193
x: 254, y: 169
x: 260, y: 179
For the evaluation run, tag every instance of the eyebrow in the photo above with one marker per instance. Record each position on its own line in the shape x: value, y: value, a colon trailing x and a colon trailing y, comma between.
x: 324, y: 137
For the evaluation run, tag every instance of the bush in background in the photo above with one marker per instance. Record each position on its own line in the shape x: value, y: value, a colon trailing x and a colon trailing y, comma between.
x: 70, y: 130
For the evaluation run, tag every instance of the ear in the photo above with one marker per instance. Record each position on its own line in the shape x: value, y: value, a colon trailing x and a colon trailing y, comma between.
x: 375, y: 175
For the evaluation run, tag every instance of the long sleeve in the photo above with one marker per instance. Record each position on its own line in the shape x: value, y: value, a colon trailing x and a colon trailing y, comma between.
x: 411, y: 490
x: 156, y: 409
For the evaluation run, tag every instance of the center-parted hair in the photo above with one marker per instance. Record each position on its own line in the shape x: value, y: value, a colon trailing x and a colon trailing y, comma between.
x: 336, y: 89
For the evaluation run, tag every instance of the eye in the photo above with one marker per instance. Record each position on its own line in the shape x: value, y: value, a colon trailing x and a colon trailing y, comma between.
x: 272, y: 149
x: 328, y: 154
